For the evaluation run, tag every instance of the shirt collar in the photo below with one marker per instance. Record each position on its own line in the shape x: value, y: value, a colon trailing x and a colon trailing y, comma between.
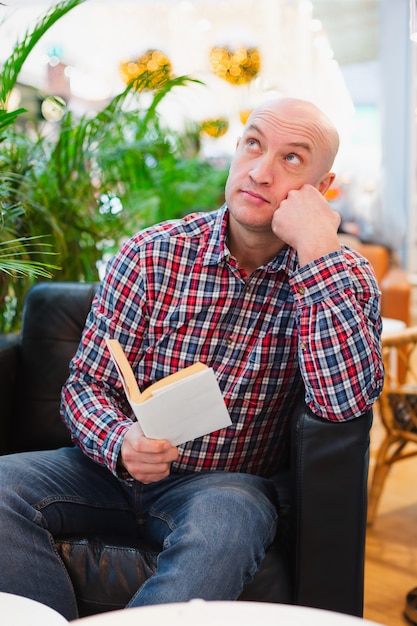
x: 218, y: 251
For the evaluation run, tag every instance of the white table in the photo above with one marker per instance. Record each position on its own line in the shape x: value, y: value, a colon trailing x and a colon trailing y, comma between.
x: 390, y: 325
x: 19, y: 611
x: 201, y: 613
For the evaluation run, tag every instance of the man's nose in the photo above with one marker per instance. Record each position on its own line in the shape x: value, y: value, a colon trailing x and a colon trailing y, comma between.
x: 262, y: 171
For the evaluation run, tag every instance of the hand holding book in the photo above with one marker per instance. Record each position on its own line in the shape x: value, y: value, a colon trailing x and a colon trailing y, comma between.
x: 181, y: 407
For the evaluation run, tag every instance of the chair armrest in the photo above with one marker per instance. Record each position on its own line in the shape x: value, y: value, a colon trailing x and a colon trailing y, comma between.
x: 329, y: 473
x: 9, y: 359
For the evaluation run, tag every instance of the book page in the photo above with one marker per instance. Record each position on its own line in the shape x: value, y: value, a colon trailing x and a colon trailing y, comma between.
x: 175, y: 378
x: 181, y: 407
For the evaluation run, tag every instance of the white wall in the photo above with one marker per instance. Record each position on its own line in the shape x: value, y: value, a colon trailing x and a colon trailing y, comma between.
x: 396, y: 122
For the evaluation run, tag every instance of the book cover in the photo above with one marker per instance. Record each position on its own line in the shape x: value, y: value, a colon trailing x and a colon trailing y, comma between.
x: 181, y: 407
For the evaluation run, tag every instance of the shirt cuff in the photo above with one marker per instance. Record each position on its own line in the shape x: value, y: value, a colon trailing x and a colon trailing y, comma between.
x: 321, y: 279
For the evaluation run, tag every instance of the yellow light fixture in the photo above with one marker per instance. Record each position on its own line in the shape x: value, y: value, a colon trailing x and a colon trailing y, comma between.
x: 152, y: 69
x: 215, y: 127
x: 237, y: 67
x: 244, y: 115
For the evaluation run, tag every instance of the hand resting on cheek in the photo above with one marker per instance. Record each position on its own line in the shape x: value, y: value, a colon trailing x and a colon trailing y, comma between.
x: 306, y: 222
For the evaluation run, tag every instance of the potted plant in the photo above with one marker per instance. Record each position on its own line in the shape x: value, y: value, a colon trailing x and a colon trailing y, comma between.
x: 76, y: 193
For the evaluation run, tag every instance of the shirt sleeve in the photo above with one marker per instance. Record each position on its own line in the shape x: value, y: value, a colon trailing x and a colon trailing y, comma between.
x: 93, y: 404
x: 339, y: 334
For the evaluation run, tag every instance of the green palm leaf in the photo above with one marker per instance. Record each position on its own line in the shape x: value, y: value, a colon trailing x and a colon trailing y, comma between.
x: 16, y: 258
x: 14, y: 63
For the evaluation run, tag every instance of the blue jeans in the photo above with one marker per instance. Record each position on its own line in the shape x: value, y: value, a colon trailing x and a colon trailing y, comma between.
x: 213, y: 527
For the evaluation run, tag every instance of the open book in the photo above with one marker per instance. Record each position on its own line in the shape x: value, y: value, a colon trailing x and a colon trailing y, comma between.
x: 180, y: 407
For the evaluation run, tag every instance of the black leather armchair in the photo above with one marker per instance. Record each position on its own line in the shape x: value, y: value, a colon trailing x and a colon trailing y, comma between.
x: 318, y: 556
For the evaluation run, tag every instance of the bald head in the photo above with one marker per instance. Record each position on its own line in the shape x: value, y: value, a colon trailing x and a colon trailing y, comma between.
x: 296, y: 113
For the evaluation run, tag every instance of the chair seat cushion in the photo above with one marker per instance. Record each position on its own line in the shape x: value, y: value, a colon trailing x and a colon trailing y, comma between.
x: 404, y: 408
x: 106, y: 574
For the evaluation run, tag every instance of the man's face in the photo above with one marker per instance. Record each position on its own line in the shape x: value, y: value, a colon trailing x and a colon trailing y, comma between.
x: 281, y: 149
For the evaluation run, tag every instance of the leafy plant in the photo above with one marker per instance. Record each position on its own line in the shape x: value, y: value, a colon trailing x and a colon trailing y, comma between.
x: 18, y: 254
x: 78, y: 191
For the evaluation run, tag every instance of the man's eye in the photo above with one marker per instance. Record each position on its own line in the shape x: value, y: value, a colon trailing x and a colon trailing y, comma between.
x: 293, y: 158
x: 253, y: 143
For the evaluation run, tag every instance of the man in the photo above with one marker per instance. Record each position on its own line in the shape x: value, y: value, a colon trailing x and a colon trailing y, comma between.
x: 261, y: 291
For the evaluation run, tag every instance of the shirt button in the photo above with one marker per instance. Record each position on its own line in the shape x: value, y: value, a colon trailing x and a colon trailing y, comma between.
x: 247, y: 288
x: 229, y: 341
x: 303, y: 345
x: 301, y: 290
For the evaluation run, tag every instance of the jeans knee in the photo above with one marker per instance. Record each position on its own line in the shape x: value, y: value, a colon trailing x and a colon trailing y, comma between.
x: 249, y: 514
x: 215, y: 512
x: 17, y: 493
x: 228, y: 516
x: 9, y: 478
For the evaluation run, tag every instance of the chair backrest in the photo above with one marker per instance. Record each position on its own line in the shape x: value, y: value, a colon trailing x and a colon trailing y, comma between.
x: 53, y: 319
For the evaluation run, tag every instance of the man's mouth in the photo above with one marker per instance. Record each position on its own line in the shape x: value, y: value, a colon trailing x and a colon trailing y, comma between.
x: 254, y: 197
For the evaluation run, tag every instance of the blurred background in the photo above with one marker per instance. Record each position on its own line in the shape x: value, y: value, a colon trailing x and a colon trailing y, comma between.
x: 353, y: 58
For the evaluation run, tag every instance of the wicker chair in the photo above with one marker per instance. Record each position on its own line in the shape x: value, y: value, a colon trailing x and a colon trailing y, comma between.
x: 398, y: 409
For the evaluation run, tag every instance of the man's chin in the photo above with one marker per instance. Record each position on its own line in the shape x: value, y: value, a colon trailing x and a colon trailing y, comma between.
x: 252, y: 219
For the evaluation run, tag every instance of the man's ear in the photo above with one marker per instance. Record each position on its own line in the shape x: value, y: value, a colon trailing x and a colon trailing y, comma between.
x: 325, y: 182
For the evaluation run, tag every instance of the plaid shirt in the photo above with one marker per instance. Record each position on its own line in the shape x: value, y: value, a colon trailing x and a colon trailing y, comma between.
x: 175, y: 295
